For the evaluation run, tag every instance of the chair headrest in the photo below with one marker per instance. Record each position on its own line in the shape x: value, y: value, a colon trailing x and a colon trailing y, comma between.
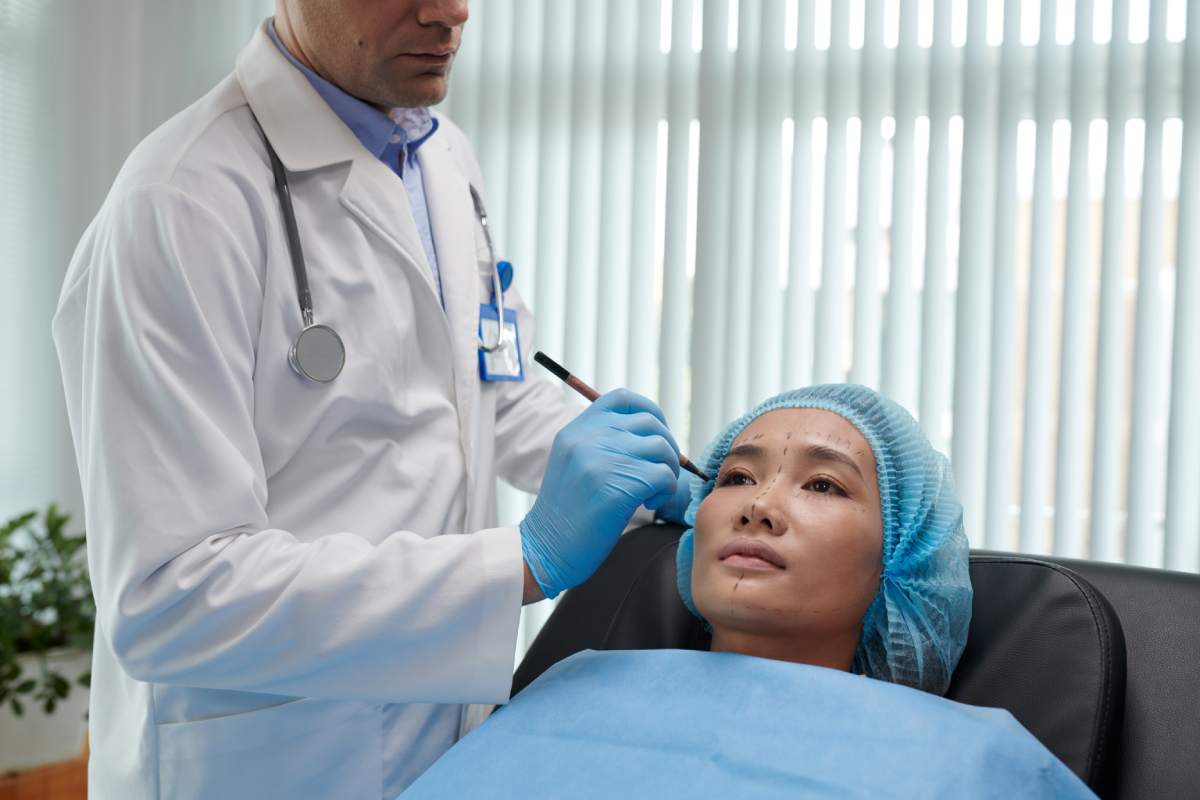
x: 1047, y: 646
x: 1043, y: 643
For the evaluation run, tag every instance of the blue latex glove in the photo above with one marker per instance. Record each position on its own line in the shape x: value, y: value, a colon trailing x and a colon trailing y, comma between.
x: 614, y: 457
x: 674, y: 509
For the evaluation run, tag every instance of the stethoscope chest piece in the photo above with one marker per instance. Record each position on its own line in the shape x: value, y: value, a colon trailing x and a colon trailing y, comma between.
x: 317, y: 353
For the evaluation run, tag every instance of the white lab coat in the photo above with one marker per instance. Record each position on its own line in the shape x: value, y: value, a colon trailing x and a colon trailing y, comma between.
x: 283, y: 609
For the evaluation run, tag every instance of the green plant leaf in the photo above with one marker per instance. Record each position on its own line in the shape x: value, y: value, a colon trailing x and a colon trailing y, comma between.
x: 16, y: 523
x: 45, y: 603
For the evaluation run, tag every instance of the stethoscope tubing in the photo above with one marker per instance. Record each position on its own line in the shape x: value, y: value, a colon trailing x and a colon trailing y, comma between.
x: 295, y: 250
x: 497, y: 289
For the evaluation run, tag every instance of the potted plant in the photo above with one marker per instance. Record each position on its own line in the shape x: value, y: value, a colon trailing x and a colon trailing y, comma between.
x: 47, y: 616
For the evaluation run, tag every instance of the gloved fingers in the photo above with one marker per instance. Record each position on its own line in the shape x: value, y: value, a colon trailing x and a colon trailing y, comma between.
x: 645, y: 425
x: 624, y: 401
x: 675, y: 509
x: 655, y: 449
x: 638, y: 479
x: 663, y: 500
x: 662, y: 481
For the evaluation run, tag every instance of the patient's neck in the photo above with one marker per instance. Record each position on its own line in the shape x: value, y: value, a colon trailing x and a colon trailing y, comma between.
x: 834, y: 652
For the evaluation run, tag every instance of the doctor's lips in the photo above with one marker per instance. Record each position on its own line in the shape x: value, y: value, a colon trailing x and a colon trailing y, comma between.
x: 434, y: 55
x: 751, y: 554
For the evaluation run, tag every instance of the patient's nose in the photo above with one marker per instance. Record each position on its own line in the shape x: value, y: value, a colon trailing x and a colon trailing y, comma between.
x: 763, y: 514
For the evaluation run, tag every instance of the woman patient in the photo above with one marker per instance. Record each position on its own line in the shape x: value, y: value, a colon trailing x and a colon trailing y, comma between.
x: 828, y: 546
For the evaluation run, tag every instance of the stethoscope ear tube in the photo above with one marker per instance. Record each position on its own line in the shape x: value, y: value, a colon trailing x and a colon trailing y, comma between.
x: 497, y: 289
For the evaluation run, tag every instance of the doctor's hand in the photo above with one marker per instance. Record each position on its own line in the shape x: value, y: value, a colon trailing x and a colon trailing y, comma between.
x: 675, y: 509
x: 614, y: 457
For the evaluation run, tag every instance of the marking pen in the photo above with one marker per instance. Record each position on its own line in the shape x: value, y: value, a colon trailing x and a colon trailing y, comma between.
x: 591, y: 394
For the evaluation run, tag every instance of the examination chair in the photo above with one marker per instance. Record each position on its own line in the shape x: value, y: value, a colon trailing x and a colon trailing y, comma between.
x: 1101, y: 662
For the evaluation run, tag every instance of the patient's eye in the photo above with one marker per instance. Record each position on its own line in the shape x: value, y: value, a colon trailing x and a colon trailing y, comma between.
x: 825, y: 486
x: 735, y: 477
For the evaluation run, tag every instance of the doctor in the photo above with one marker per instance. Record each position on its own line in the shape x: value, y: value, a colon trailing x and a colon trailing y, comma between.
x: 297, y: 582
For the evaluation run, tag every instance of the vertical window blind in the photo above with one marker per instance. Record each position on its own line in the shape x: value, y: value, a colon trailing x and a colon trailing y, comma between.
x: 984, y: 209
x: 16, y: 137
x: 80, y: 84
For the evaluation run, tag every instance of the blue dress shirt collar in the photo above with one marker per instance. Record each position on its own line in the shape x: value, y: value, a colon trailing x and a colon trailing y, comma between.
x: 408, y: 127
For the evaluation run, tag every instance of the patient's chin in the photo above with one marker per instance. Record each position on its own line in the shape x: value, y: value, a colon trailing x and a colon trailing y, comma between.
x: 745, y: 607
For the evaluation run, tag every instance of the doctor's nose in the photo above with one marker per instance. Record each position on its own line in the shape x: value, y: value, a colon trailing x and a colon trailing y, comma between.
x: 447, y: 13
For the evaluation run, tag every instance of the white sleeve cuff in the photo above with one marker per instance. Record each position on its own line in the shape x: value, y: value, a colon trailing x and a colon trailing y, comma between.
x: 504, y: 578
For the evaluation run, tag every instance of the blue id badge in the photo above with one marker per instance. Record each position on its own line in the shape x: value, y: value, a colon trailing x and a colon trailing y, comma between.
x: 504, y: 363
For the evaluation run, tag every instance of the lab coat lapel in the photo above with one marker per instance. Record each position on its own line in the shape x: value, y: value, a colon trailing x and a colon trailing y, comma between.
x: 453, y: 218
x: 377, y: 198
x: 308, y: 135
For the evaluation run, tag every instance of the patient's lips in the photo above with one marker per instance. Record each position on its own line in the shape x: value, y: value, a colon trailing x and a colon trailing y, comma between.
x: 749, y: 553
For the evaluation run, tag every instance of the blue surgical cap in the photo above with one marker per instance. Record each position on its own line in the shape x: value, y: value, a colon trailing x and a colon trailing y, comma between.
x: 916, y: 627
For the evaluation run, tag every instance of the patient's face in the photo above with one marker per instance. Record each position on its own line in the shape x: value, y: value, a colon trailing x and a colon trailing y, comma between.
x: 789, y: 543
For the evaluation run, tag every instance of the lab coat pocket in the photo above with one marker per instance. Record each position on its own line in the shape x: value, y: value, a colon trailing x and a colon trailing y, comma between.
x: 303, y: 748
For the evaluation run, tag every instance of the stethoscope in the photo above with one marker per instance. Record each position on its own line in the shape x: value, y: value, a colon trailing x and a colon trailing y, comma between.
x: 497, y: 285
x: 318, y: 353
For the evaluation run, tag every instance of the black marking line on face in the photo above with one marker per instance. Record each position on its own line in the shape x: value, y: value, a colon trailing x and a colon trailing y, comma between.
x: 832, y: 437
x: 825, y: 610
x: 763, y: 494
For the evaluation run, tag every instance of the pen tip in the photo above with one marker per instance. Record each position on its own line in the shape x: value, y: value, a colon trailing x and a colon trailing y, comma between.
x: 551, y: 365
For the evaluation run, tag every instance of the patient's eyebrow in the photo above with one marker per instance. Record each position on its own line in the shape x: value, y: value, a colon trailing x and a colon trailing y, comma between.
x: 813, y: 452
x: 818, y: 452
x: 748, y: 451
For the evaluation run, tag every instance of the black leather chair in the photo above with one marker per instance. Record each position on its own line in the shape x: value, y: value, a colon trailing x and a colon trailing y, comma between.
x: 1100, y: 662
